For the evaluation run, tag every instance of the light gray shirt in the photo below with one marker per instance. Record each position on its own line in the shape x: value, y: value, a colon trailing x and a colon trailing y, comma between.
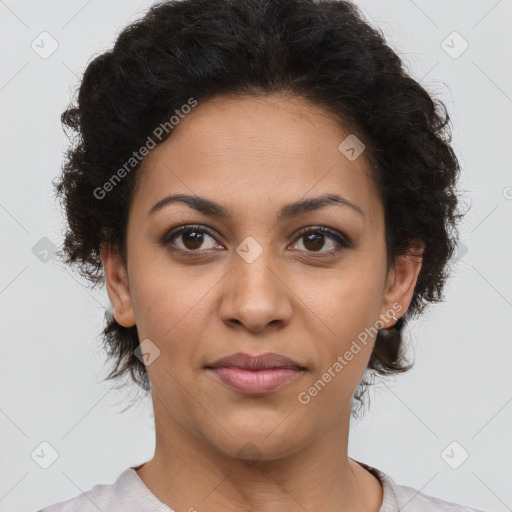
x: 129, y: 494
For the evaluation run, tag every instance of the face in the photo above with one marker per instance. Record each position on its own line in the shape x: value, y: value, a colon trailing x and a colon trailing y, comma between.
x: 254, y: 275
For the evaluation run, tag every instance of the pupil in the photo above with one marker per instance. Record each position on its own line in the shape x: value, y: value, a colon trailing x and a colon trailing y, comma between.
x: 195, y: 238
x: 316, y: 239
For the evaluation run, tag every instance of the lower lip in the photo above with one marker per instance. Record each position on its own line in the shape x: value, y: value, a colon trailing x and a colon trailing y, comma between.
x: 255, y: 382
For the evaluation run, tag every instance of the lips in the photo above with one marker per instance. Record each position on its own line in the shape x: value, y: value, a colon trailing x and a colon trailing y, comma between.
x: 255, y: 375
x: 267, y: 361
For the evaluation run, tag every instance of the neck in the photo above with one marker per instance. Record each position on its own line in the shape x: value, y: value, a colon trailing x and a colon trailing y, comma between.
x: 187, y: 473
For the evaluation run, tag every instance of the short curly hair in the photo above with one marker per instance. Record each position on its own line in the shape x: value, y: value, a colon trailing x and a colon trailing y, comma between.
x: 324, y: 51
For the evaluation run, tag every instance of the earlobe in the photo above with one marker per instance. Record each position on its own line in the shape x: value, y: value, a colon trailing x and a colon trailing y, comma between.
x: 400, y: 285
x: 118, y: 289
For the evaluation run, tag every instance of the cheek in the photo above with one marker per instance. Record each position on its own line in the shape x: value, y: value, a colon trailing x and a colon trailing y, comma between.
x: 169, y: 303
x: 342, y: 309
x: 347, y: 308
x: 346, y: 301
x: 171, y: 312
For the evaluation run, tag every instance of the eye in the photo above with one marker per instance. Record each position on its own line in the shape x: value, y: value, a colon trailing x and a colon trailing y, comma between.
x: 193, y: 238
x: 314, y: 239
x: 190, y: 238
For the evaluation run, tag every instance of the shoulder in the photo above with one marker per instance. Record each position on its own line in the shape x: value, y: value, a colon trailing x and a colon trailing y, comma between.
x: 96, y: 498
x: 397, y: 497
x: 126, y: 494
x: 421, y: 502
x: 100, y: 497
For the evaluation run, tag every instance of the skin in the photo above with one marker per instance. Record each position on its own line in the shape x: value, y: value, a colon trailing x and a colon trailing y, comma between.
x: 253, y: 155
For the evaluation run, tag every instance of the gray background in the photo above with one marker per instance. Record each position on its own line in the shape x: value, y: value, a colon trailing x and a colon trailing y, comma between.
x: 51, y: 391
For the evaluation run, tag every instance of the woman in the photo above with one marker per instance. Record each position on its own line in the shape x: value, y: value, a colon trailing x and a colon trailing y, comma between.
x: 269, y: 198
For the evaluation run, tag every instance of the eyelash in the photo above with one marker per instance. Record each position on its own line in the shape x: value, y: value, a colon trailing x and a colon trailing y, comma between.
x: 338, y: 238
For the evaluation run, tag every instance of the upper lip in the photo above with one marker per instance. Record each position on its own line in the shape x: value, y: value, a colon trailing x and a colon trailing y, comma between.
x: 260, y: 362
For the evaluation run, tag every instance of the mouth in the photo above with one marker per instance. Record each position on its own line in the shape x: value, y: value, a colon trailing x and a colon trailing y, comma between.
x: 255, y: 375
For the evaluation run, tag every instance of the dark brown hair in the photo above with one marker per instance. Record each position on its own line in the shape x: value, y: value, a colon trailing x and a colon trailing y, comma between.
x: 323, y: 51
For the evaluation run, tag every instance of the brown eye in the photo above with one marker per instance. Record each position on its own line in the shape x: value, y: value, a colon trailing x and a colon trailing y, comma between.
x: 190, y: 239
x: 196, y: 239
x: 314, y: 240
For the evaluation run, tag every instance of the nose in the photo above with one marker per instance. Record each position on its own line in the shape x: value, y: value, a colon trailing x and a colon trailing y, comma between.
x: 256, y: 295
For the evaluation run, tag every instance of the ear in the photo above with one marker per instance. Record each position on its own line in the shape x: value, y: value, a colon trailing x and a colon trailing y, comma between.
x: 400, y: 283
x: 118, y: 289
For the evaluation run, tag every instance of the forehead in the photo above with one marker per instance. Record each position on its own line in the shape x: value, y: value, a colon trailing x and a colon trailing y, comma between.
x: 257, y: 150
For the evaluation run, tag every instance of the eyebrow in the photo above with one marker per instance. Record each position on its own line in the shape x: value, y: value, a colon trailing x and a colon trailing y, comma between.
x: 288, y: 211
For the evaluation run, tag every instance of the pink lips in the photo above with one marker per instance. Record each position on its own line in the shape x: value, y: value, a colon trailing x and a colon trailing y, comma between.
x: 255, y: 374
